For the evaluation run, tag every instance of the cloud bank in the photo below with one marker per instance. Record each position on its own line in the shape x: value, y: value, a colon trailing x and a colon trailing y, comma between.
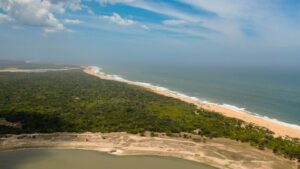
x: 37, y: 13
x: 117, y: 19
x: 247, y: 26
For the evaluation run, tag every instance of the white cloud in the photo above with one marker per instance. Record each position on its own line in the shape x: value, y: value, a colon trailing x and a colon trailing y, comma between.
x: 38, y: 13
x: 156, y: 7
x: 6, y: 19
x: 145, y: 27
x: 34, y: 13
x: 73, y: 5
x: 124, y: 22
x: 230, y: 8
x: 234, y: 21
x: 104, y: 2
x: 174, y: 22
x: 91, y: 12
x: 261, y: 17
x: 246, y: 23
x: 160, y: 8
x: 72, y: 21
x: 117, y: 19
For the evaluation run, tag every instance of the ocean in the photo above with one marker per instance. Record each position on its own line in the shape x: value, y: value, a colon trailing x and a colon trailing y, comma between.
x: 270, y: 92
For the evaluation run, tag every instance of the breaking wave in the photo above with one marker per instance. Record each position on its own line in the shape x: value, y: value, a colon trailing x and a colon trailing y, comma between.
x: 119, y: 78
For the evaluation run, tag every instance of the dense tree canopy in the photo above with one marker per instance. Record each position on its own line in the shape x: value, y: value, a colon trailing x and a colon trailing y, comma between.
x: 75, y: 102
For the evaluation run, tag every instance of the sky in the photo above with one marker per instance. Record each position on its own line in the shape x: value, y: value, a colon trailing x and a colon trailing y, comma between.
x: 185, y: 31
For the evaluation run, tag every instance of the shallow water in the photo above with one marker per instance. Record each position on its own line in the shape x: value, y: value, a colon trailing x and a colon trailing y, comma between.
x: 84, y: 159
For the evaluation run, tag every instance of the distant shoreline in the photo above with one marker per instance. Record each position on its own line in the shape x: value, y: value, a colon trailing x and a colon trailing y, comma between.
x: 277, y: 128
x: 219, y: 152
x: 16, y: 70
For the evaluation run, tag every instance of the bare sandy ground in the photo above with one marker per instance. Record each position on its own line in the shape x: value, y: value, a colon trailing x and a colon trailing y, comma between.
x: 221, y: 153
x: 278, y: 129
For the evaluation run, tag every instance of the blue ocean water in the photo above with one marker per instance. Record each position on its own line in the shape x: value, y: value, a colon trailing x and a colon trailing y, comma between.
x: 272, y: 92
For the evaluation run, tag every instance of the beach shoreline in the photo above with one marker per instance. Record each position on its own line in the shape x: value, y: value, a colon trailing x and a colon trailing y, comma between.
x: 278, y: 129
x: 219, y: 152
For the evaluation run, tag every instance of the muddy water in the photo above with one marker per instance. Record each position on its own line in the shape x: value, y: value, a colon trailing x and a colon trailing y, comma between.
x: 83, y: 159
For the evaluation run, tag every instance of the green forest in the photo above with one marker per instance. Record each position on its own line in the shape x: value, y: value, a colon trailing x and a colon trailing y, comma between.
x: 72, y: 101
x: 4, y: 64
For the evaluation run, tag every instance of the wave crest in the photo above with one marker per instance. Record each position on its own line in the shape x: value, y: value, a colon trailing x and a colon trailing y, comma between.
x: 193, y: 98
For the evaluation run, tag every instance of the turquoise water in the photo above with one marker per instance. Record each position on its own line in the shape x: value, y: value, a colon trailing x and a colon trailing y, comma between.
x: 273, y: 92
x: 83, y: 159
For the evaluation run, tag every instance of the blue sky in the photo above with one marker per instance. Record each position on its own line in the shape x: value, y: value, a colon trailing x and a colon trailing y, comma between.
x: 226, y: 30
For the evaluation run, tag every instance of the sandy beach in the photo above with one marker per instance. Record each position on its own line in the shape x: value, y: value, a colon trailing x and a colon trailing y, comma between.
x: 278, y: 129
x: 221, y: 153
x: 217, y: 152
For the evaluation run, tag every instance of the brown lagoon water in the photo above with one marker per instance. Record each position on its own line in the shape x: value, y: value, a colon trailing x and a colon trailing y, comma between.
x: 84, y: 159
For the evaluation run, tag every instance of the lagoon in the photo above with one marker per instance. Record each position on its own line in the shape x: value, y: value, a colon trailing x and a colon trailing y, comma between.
x: 86, y: 159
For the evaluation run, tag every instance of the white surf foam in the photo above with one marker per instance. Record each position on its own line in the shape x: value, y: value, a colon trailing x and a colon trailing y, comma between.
x: 182, y: 95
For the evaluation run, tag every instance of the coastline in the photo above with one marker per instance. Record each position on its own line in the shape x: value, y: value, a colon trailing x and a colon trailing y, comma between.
x: 220, y: 152
x: 277, y: 127
x: 17, y: 70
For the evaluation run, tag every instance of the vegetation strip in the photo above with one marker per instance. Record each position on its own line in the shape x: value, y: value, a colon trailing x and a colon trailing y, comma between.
x: 72, y: 101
